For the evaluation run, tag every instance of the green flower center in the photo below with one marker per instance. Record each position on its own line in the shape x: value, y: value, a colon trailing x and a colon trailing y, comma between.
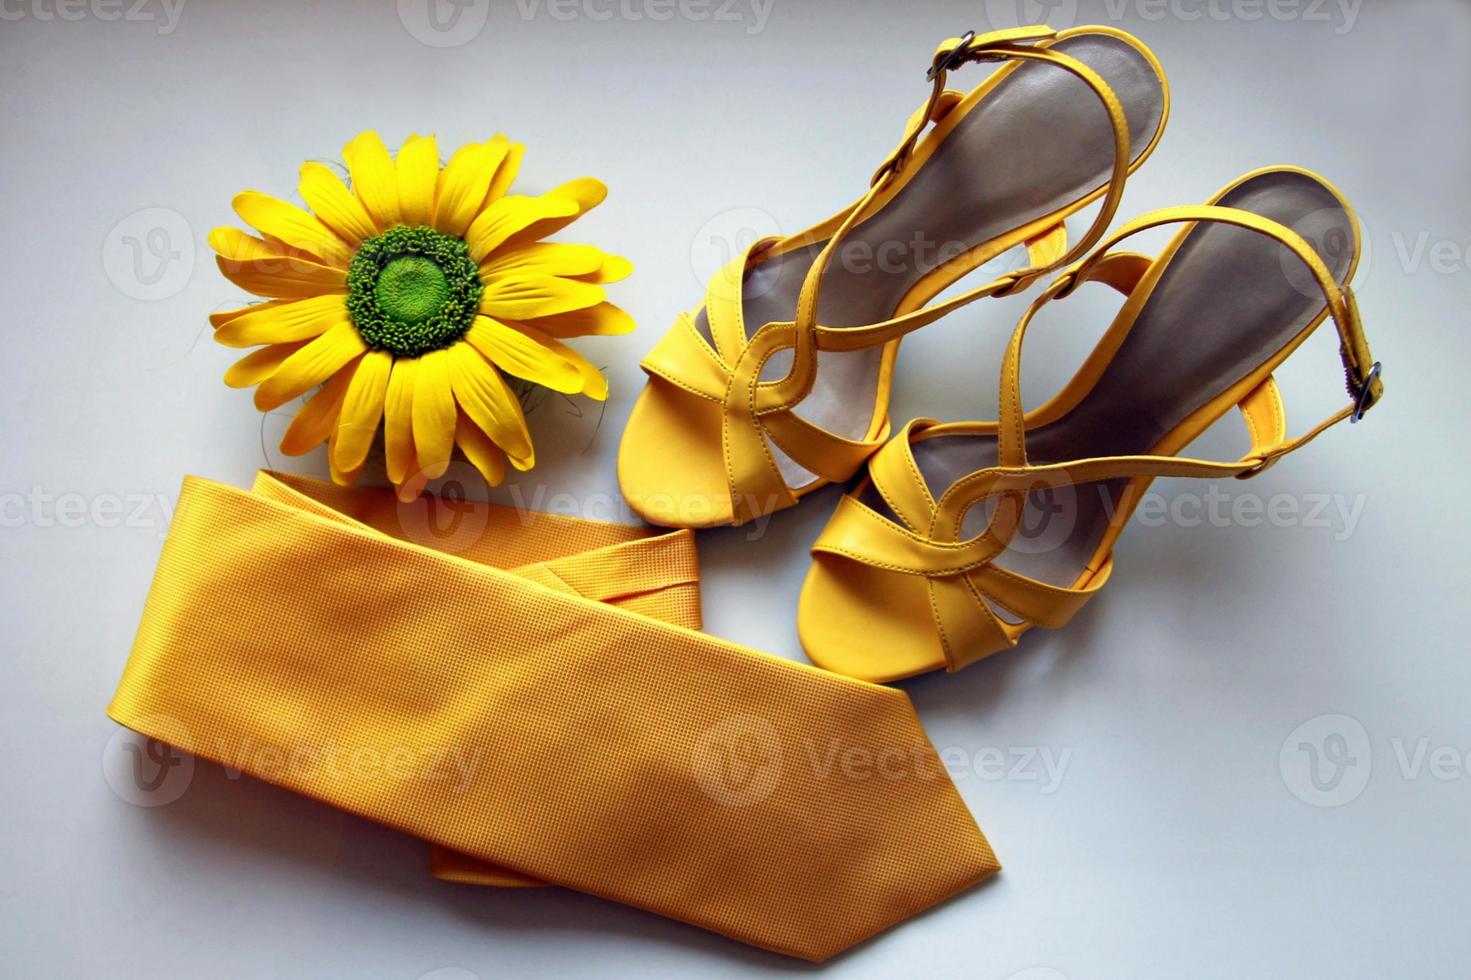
x: 412, y: 290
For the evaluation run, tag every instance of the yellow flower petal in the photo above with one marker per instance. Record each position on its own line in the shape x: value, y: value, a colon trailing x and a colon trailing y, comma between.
x: 583, y: 194
x: 259, y: 365
x: 434, y: 413
x: 613, y: 269
x: 412, y: 486
x: 237, y: 246
x: 517, y: 353
x: 398, y: 420
x: 318, y: 418
x: 271, y: 323
x: 341, y: 477
x: 286, y: 278
x: 603, y: 320
x: 223, y: 317
x: 480, y: 450
x: 374, y: 178
x: 255, y: 264
x: 533, y: 296
x: 310, y: 366
x: 588, y: 192
x: 544, y: 258
x: 336, y: 206
x: 592, y: 383
x: 290, y: 225
x: 505, y: 174
x: 463, y: 184
x: 418, y: 166
x: 489, y: 403
x: 362, y: 409
x: 509, y: 215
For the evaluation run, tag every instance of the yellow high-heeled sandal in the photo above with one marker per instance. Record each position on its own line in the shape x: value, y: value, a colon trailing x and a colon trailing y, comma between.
x: 922, y: 566
x: 736, y: 424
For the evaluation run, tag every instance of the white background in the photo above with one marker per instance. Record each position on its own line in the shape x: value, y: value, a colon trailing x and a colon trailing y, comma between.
x: 1180, y: 833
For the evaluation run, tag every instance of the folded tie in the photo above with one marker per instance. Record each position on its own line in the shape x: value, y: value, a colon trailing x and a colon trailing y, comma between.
x: 344, y: 646
x: 622, y: 564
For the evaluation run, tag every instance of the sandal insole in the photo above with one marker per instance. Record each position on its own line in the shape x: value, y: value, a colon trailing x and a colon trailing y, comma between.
x: 1037, y: 142
x: 1228, y: 301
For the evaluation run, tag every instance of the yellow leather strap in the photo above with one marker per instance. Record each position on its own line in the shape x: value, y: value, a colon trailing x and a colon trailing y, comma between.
x: 753, y: 473
x: 320, y: 638
x: 726, y: 365
x: 859, y: 533
x: 810, y: 337
x: 1261, y: 408
x: 948, y: 56
x: 963, y: 581
x: 1014, y: 477
x: 896, y: 477
x: 829, y: 456
x: 1341, y: 307
x: 1358, y: 360
x: 682, y: 358
x: 965, y: 585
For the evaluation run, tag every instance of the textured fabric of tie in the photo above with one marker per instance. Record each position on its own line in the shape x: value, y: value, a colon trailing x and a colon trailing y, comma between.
x: 326, y: 642
x: 631, y: 566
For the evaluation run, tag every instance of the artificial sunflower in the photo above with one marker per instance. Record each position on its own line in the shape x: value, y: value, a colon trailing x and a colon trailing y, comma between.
x: 405, y: 295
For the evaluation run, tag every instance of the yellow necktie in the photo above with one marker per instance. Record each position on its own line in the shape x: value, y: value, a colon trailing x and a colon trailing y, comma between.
x: 547, y: 722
